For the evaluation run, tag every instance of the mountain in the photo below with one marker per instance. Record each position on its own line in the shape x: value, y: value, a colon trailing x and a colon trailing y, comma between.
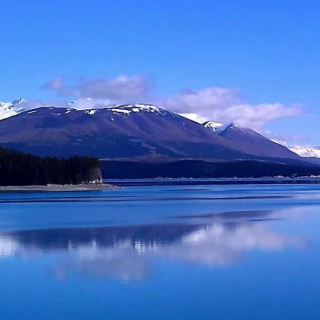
x: 127, y: 131
x: 9, y: 109
x: 251, y: 142
x: 113, y: 132
x: 307, y: 152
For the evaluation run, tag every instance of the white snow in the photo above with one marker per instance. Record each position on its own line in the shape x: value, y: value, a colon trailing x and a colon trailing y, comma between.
x: 213, y: 126
x: 91, y: 112
x: 282, y: 143
x: 115, y: 111
x: 302, y: 151
x: 9, y: 109
x: 126, y: 109
x: 307, y: 152
x: 137, y: 108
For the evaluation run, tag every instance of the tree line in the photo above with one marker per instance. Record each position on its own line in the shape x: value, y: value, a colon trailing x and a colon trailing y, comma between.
x: 18, y: 169
x: 113, y: 169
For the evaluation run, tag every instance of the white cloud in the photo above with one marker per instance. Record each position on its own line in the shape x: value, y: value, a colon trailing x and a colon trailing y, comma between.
x: 122, y: 88
x: 225, y: 105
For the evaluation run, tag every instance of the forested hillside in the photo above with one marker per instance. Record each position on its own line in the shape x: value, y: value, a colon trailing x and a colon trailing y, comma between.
x: 112, y: 169
x: 18, y: 169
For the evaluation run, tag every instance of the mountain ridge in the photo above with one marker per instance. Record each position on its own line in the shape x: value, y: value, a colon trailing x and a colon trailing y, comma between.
x: 116, y: 131
x: 131, y: 134
x: 252, y: 142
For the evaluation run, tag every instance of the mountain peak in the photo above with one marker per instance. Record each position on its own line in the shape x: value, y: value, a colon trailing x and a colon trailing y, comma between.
x: 12, y: 108
x: 232, y: 125
x: 18, y: 101
x: 213, y: 126
x: 252, y: 142
x: 138, y: 107
x: 12, y: 103
x: 89, y: 105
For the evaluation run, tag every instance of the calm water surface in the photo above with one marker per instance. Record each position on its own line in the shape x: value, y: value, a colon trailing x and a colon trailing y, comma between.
x: 162, y: 252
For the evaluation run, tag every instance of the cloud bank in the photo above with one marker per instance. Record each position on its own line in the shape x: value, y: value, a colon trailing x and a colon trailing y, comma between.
x: 224, y: 105
x: 121, y: 88
x: 213, y: 103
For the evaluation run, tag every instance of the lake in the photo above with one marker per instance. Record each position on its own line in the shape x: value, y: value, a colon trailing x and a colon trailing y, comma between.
x: 166, y: 252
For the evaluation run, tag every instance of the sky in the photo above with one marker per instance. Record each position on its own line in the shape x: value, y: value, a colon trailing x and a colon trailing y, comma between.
x: 252, y: 62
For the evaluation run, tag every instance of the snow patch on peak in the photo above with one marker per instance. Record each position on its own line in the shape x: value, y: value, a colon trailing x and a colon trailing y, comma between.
x: 12, y: 108
x: 18, y: 101
x: 119, y: 110
x: 136, y: 108
x: 302, y: 151
x: 282, y: 143
x: 213, y: 126
x: 15, y: 107
x: 90, y: 112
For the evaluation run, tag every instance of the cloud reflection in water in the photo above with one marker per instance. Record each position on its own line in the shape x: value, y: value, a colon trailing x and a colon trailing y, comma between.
x: 129, y: 252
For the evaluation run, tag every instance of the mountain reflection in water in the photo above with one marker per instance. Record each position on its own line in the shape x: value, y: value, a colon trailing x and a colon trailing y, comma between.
x: 129, y: 252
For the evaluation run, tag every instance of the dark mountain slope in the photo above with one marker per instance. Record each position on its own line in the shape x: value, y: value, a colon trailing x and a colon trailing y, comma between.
x: 251, y: 142
x: 120, y: 131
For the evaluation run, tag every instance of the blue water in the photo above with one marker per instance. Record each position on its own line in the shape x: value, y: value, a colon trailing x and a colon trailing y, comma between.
x: 161, y: 252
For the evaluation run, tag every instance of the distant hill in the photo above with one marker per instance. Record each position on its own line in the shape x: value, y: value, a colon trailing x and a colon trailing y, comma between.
x: 123, y: 169
x: 251, y: 142
x: 19, y: 169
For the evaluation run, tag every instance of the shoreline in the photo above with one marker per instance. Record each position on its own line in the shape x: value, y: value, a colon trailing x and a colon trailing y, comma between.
x: 59, y: 188
x: 210, y: 181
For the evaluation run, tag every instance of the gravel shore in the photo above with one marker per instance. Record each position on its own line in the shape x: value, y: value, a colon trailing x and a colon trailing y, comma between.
x: 62, y: 188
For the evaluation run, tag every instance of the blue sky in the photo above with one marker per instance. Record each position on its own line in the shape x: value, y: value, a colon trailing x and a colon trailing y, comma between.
x: 268, y: 50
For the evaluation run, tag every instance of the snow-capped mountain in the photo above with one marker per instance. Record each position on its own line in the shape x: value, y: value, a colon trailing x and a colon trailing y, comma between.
x: 9, y: 109
x: 136, y: 108
x: 113, y: 131
x: 306, y: 152
x: 302, y: 151
x: 127, y: 130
